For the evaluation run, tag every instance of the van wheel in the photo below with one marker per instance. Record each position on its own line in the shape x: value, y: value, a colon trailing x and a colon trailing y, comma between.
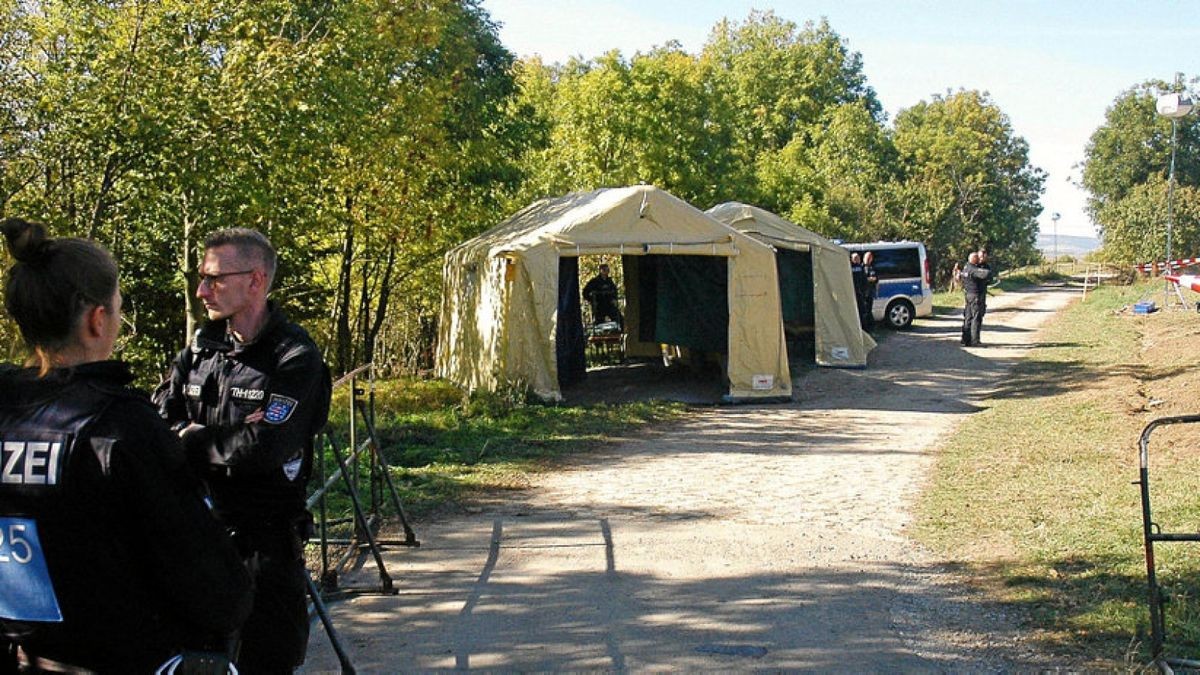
x: 900, y: 314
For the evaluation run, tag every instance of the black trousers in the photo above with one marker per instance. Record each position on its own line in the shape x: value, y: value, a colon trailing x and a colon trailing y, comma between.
x: 606, y: 310
x: 973, y: 312
x: 274, y: 638
x: 866, y: 311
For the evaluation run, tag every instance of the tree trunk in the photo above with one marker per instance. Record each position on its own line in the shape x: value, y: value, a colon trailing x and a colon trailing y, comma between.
x: 371, y: 330
x: 106, y: 186
x: 365, y: 294
x: 187, y: 264
x: 344, y: 342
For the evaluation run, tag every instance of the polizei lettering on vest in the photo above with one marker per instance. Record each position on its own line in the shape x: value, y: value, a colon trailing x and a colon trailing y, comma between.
x: 247, y: 394
x: 30, y: 462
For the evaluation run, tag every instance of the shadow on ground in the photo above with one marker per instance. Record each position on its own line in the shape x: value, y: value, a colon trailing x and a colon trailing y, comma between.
x: 490, y: 605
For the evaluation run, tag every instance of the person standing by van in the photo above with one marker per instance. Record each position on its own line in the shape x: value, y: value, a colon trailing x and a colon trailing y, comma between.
x: 858, y: 275
x: 870, y: 289
x: 975, y: 280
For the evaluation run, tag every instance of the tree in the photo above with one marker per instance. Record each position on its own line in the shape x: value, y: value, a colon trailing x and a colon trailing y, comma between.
x: 363, y: 137
x: 419, y: 152
x: 1128, y: 158
x: 832, y: 180
x: 783, y: 79
x: 609, y: 122
x: 1137, y: 230
x: 967, y: 181
x: 808, y: 138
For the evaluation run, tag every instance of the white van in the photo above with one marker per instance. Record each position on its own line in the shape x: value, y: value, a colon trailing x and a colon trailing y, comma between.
x: 905, y: 287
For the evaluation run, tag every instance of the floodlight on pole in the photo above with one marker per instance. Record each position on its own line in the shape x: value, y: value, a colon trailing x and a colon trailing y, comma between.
x: 1173, y: 107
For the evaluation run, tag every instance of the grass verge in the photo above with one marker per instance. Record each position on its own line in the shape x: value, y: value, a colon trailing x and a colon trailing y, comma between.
x: 1033, y: 495
x: 443, y: 448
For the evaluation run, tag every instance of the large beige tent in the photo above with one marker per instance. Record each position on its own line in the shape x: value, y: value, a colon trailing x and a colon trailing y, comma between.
x: 510, y: 295
x: 817, y: 289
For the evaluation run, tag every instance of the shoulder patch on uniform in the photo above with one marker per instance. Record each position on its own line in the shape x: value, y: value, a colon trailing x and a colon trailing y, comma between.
x: 279, y: 409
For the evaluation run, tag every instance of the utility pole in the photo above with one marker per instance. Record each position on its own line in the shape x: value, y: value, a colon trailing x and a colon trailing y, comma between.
x: 1054, y: 218
x: 1172, y: 106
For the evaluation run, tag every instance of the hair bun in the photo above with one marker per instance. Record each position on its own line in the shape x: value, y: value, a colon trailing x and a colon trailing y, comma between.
x: 26, y: 239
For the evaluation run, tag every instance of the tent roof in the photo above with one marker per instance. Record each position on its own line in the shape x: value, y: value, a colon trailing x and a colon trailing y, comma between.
x: 629, y: 216
x: 769, y: 227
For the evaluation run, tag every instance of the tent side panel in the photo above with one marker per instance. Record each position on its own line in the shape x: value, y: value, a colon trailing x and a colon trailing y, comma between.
x: 691, y: 300
x: 471, y: 320
x: 840, y: 338
x: 532, y: 312
x: 758, y: 365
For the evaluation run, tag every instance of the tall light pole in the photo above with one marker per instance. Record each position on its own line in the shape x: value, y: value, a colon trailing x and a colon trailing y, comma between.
x: 1054, y: 218
x: 1172, y: 106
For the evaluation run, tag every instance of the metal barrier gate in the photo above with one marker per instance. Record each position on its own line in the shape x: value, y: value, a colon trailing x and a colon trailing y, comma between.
x: 361, y: 461
x: 1153, y: 533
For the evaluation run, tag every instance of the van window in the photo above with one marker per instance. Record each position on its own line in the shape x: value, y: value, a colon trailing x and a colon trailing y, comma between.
x: 898, y: 263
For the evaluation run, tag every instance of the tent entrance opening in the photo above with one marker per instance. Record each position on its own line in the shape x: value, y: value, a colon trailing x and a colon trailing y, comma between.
x: 673, y: 305
x: 799, y: 309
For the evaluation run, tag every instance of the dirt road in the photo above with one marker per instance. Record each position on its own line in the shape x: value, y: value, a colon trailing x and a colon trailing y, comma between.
x: 741, y: 538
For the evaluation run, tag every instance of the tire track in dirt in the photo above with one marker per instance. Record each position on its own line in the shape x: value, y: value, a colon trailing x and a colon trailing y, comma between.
x: 743, y: 538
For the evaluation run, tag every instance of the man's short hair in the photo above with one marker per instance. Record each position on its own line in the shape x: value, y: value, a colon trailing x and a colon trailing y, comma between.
x: 973, y: 258
x: 249, y: 244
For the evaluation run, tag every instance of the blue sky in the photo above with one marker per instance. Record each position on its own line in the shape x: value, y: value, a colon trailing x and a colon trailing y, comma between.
x: 1052, y: 66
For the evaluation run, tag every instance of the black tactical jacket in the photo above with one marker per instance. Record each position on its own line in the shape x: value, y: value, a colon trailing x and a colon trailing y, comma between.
x: 257, y: 470
x: 600, y: 290
x: 975, y: 281
x: 137, y: 564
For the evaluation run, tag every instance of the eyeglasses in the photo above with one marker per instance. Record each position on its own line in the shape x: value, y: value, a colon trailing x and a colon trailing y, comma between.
x: 215, y: 279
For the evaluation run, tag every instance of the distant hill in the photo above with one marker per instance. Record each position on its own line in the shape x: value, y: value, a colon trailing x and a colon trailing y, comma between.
x: 1067, y: 245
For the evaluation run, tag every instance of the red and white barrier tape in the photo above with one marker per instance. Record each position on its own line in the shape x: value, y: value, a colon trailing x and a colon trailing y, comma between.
x: 1181, y: 262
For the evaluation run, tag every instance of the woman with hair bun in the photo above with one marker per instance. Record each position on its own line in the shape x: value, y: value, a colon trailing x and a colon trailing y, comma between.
x: 109, y: 559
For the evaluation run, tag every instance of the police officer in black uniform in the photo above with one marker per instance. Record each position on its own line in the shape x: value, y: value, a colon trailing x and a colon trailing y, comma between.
x: 601, y: 292
x: 110, y: 561
x: 869, y: 291
x: 247, y: 396
x: 975, y: 277
x: 858, y: 275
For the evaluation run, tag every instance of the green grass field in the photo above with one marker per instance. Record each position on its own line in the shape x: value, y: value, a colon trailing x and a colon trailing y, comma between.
x: 1034, y: 494
x: 444, y: 448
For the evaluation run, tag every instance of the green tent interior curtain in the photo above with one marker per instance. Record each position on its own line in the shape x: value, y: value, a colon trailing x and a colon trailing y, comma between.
x: 796, y: 296
x: 685, y: 301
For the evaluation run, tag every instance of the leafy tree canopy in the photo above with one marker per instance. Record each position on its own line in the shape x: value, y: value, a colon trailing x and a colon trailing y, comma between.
x: 1128, y: 159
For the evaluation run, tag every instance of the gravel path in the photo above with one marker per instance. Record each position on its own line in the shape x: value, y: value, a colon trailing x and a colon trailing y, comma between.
x: 740, y: 538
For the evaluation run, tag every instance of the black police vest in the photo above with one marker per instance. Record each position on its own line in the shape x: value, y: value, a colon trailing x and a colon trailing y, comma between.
x: 37, y: 440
